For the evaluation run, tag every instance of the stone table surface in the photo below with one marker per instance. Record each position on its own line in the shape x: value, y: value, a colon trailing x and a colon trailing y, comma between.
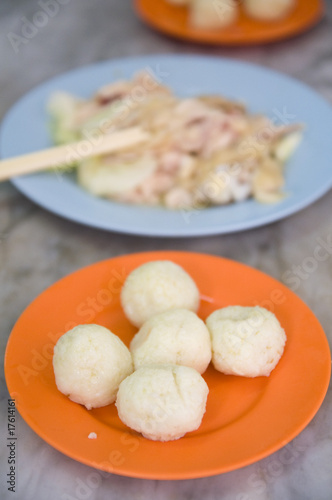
x: 37, y: 248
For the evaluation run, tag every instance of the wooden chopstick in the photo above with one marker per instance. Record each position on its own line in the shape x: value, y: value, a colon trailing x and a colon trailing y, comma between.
x: 60, y: 156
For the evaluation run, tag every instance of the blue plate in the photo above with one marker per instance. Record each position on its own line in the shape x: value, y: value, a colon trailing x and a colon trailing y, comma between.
x: 283, y: 99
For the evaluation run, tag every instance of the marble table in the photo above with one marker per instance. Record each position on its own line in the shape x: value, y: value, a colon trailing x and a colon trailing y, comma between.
x: 37, y: 248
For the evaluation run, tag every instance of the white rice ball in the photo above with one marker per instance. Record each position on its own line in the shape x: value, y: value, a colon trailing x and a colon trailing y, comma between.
x: 89, y: 363
x: 177, y: 336
x: 155, y: 287
x: 268, y: 10
x: 247, y: 341
x: 163, y: 402
x: 212, y: 14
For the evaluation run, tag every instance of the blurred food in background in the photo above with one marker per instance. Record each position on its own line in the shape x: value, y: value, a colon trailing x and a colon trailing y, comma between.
x: 204, y: 150
x: 215, y: 14
x: 209, y: 14
x: 268, y: 10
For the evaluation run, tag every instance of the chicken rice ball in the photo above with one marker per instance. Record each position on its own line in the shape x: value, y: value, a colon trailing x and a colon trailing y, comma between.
x: 268, y: 10
x: 156, y: 287
x: 212, y: 14
x: 247, y: 341
x: 177, y: 336
x: 163, y: 402
x: 89, y: 363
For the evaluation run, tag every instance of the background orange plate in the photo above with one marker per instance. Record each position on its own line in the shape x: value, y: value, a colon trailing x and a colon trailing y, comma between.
x: 173, y: 20
x: 246, y: 419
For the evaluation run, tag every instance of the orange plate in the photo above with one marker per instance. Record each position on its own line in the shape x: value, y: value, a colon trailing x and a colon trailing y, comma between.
x: 246, y: 419
x: 173, y: 20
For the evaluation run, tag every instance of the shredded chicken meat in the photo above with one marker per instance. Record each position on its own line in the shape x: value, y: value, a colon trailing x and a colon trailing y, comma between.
x: 205, y: 150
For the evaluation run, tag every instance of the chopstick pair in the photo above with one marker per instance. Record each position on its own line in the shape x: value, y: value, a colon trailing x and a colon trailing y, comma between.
x: 58, y: 156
